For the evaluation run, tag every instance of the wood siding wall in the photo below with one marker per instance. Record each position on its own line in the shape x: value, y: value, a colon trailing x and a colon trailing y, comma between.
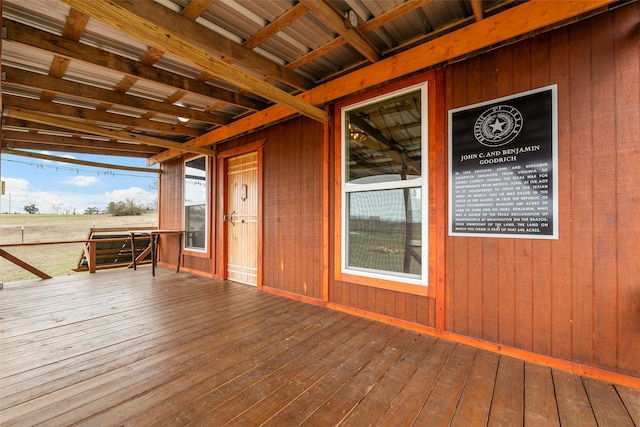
x: 577, y: 298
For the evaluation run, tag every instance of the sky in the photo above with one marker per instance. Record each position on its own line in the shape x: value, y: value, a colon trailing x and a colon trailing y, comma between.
x: 64, y: 188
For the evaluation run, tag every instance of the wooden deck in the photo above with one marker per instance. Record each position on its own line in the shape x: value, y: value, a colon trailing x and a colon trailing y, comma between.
x: 123, y: 348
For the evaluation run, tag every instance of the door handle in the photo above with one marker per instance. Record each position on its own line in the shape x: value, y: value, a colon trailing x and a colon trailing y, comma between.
x: 229, y: 217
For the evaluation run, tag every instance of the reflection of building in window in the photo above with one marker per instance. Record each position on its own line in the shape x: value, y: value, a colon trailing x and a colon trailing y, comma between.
x: 195, y: 203
x: 383, y: 187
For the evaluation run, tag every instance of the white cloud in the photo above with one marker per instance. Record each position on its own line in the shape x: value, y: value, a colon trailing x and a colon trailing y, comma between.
x: 81, y: 180
x: 17, y: 185
x: 136, y: 194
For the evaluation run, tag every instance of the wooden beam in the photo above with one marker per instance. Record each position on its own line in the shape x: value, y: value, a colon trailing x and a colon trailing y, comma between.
x: 17, y: 261
x: 73, y: 148
x: 54, y: 84
x: 99, y: 116
x: 69, y: 49
x: 335, y: 21
x: 476, y: 5
x: 110, y: 133
x: 197, y: 35
x: 141, y: 28
x: 37, y: 141
x: 517, y: 21
x: 277, y: 25
x: 76, y: 161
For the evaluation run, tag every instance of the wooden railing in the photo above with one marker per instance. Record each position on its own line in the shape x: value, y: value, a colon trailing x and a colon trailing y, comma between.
x: 90, y: 248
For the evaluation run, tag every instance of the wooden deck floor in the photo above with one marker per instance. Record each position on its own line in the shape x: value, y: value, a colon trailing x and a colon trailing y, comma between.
x: 122, y: 348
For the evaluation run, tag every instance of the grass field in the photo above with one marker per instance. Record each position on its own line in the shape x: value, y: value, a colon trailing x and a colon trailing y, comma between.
x: 55, y: 260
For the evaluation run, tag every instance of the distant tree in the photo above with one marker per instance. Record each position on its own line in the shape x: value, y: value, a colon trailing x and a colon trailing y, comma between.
x: 91, y: 211
x: 126, y: 208
x: 31, y: 209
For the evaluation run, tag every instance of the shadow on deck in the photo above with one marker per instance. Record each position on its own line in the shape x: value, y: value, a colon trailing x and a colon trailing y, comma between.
x: 123, y: 348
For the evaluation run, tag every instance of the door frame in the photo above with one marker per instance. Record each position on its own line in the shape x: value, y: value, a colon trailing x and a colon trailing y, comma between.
x: 222, y: 201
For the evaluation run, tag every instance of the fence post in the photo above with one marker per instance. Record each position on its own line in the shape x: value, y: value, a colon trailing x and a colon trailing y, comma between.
x: 92, y: 256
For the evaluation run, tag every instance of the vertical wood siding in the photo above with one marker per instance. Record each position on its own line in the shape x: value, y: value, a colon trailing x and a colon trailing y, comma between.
x: 292, y: 254
x: 576, y: 298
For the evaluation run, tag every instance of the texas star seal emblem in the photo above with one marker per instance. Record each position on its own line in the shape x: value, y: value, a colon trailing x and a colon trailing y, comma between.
x: 498, y: 126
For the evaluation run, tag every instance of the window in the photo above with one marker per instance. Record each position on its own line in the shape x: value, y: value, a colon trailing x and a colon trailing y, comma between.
x: 384, y: 195
x: 195, y: 203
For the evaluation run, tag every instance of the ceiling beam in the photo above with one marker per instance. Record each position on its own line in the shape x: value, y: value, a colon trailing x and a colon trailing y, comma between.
x: 141, y: 28
x: 43, y: 146
x: 99, y: 116
x: 204, y: 38
x: 76, y: 161
x: 336, y: 22
x: 478, y: 13
x: 30, y: 36
x: 54, y: 84
x: 277, y: 25
x: 109, y: 133
x: 509, y: 24
x: 16, y: 139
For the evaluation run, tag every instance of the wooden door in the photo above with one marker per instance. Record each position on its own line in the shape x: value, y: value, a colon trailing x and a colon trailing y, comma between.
x: 241, y: 218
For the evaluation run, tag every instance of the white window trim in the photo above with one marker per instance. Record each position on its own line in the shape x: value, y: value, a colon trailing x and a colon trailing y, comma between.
x: 421, y: 182
x: 185, y: 205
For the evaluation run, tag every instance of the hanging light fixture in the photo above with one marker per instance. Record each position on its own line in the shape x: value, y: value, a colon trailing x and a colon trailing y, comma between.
x: 181, y: 119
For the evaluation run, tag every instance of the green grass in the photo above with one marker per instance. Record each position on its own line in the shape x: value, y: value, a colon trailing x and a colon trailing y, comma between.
x: 55, y: 260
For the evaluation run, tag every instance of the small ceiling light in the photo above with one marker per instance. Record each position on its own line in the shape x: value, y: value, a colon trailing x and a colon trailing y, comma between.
x: 181, y: 119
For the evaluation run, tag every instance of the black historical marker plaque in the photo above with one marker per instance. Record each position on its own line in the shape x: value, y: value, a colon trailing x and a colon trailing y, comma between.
x: 502, y: 167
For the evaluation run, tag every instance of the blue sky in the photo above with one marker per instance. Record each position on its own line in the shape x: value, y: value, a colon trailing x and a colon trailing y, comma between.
x: 61, y: 188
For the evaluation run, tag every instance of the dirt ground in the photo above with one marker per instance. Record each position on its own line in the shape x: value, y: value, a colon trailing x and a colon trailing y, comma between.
x: 55, y: 260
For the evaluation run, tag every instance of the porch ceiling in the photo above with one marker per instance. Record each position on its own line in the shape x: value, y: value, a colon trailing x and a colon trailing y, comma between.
x: 122, y: 77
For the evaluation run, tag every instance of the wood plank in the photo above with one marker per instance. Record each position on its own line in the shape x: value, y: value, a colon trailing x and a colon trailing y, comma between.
x: 303, y: 406
x: 507, y: 406
x: 539, y: 399
x: 375, y: 403
x: 561, y: 268
x: 608, y: 409
x: 340, y: 404
x: 605, y: 207
x: 631, y: 400
x: 475, y: 401
x: 409, y: 402
x: 440, y: 407
x: 542, y: 277
x: 573, y: 403
x: 582, y: 117
x: 627, y: 92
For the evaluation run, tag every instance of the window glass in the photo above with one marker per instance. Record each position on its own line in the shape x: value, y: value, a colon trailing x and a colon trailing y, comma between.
x: 383, y: 187
x: 195, y: 203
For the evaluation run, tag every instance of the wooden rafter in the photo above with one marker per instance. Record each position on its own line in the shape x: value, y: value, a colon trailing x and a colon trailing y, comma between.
x: 478, y: 12
x: 334, y: 20
x: 141, y: 28
x: 278, y: 24
x: 197, y: 35
x: 77, y: 161
x: 69, y: 49
x: 119, y: 120
x: 29, y: 140
x: 539, y: 13
x: 35, y: 80
x: 109, y: 133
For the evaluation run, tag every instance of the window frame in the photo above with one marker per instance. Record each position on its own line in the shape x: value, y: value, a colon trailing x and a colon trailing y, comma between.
x: 201, y: 251
x: 369, y: 277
